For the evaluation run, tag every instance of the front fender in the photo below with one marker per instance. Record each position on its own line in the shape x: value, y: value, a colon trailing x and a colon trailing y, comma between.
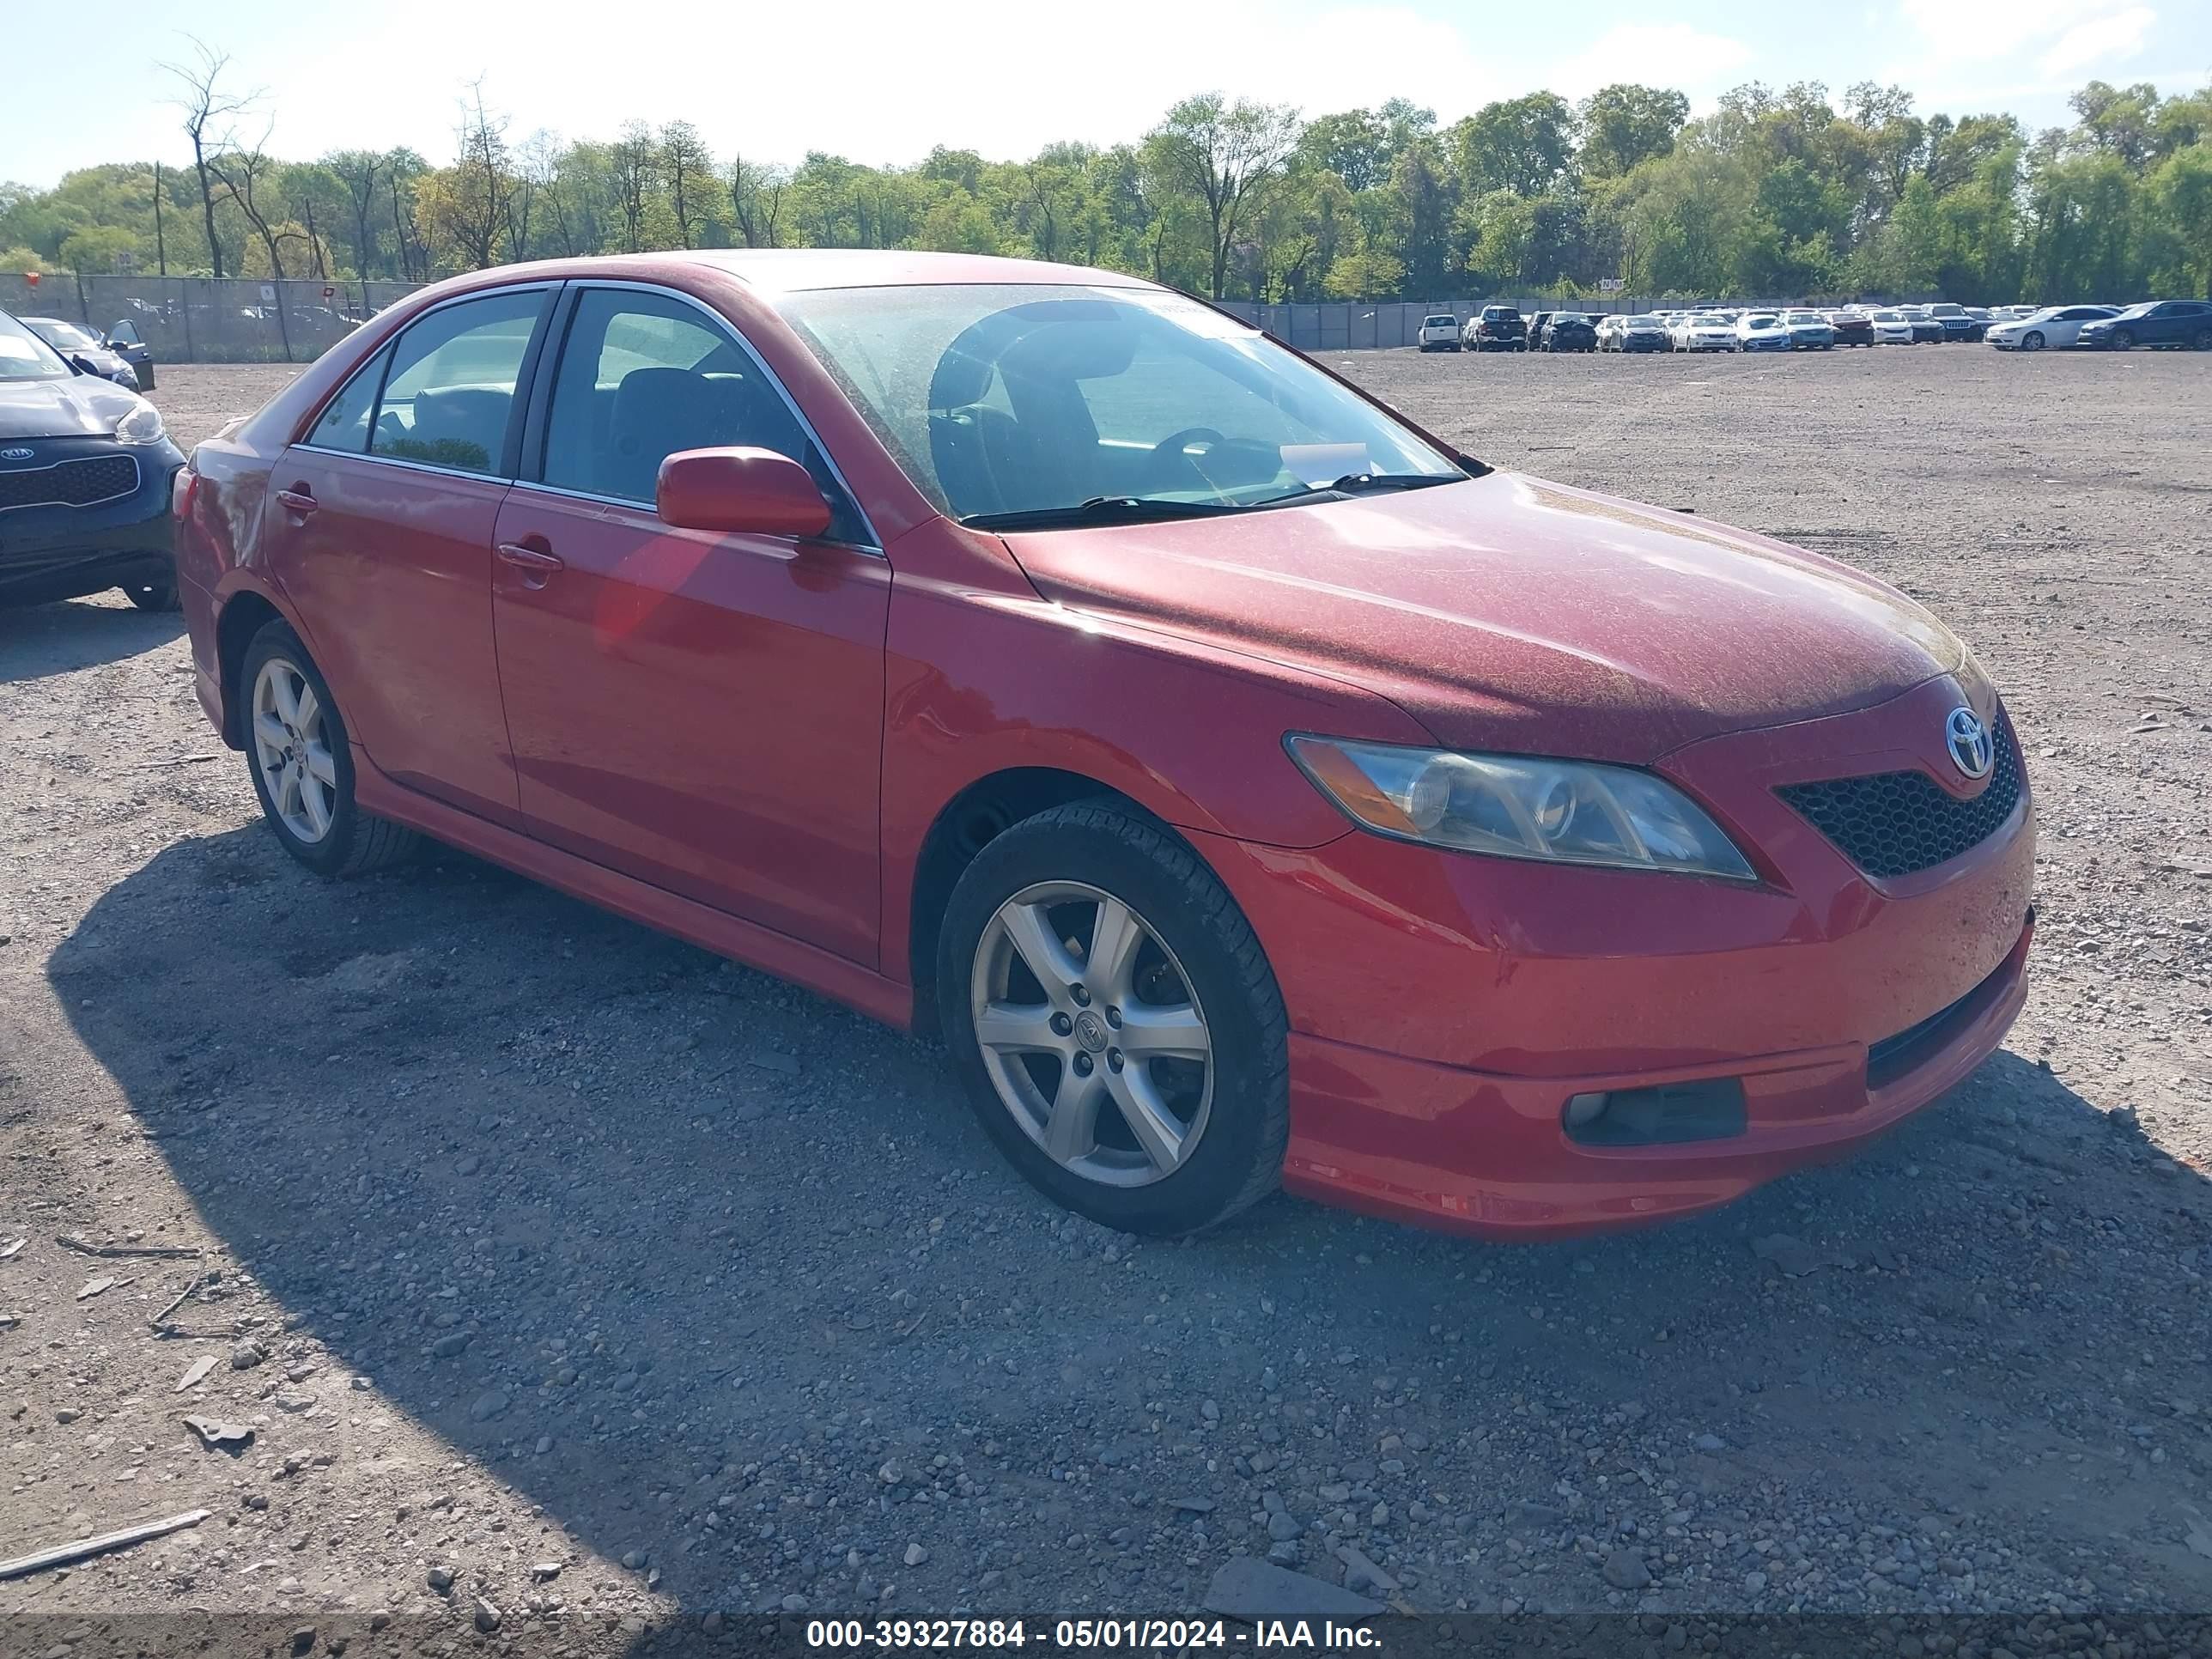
x: 979, y: 684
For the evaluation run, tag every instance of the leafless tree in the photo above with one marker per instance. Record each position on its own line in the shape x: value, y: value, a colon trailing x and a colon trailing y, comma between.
x: 633, y: 171
x: 483, y: 180
x: 208, y: 108
x: 688, y: 165
x: 358, y: 170
x: 240, y: 171
x: 755, y: 199
x: 537, y: 184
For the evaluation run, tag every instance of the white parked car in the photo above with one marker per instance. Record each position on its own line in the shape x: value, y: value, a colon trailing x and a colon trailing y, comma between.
x: 1892, y: 328
x: 1703, y: 330
x: 1761, y: 330
x: 2054, y: 327
x: 1440, y: 332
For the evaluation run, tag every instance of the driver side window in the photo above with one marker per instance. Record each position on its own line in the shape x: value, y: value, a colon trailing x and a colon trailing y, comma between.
x: 643, y: 375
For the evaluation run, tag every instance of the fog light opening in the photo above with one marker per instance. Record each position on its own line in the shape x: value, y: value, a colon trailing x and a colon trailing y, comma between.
x: 1583, y: 1111
x: 1711, y: 1108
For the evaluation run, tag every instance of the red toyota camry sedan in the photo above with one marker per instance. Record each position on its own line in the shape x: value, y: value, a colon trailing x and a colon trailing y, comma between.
x: 1251, y: 789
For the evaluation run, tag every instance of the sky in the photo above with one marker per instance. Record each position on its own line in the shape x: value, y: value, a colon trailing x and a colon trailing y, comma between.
x: 882, y: 81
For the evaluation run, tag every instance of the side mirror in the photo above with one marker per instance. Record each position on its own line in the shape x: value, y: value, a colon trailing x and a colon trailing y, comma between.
x: 84, y: 365
x: 754, y: 491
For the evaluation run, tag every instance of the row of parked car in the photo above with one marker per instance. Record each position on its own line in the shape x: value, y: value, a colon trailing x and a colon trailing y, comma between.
x: 2180, y: 323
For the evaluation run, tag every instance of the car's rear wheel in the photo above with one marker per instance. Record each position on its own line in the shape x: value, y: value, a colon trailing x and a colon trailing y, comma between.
x: 2202, y: 340
x: 1116, y: 1024
x: 302, y: 765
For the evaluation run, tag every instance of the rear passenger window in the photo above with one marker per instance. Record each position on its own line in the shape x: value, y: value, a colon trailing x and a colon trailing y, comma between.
x: 344, y: 424
x: 450, y: 390
x: 642, y: 376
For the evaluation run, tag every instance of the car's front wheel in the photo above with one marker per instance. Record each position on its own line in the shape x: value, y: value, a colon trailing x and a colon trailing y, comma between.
x: 2124, y: 339
x: 302, y: 765
x: 1118, y: 1030
x: 2032, y: 341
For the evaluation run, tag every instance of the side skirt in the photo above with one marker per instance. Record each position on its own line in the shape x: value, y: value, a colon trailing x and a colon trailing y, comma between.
x: 822, y: 971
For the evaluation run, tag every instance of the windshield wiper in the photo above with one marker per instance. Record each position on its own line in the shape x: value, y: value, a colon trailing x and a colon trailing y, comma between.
x: 1099, y: 509
x: 1354, y: 483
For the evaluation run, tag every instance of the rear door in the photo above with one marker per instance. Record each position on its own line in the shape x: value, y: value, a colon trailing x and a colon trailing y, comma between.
x: 701, y: 710
x: 380, y: 526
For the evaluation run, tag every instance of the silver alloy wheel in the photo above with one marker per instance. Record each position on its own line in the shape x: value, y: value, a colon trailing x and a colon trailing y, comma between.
x: 2032, y: 341
x: 291, y: 750
x: 1091, y: 1035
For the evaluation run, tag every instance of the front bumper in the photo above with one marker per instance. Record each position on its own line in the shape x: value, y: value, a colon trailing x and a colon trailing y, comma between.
x: 60, y: 552
x: 1445, y: 1008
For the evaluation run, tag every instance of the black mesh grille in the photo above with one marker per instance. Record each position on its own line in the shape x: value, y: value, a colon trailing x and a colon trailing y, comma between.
x: 1894, y: 823
x: 70, y: 484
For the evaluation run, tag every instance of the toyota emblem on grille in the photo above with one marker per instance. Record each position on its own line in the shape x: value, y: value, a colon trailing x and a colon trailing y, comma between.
x: 1968, y: 739
x: 18, y: 453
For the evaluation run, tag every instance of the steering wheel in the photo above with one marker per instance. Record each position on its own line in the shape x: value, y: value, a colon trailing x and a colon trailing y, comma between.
x: 1172, y: 447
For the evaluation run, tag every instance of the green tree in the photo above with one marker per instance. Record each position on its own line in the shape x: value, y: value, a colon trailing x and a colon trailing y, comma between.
x: 1623, y: 125
x: 1222, y: 155
x: 1522, y: 145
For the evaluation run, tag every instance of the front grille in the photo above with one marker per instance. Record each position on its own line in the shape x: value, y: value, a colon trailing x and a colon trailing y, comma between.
x: 1895, y: 823
x: 70, y: 484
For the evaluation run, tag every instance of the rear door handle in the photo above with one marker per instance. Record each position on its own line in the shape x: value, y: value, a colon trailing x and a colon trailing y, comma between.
x: 297, y: 501
x: 535, y: 564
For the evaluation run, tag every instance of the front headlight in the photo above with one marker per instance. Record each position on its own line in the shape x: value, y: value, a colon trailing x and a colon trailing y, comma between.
x: 1512, y: 806
x: 143, y: 425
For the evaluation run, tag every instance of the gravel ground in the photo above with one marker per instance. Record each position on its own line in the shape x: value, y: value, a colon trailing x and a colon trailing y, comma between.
x: 558, y: 1267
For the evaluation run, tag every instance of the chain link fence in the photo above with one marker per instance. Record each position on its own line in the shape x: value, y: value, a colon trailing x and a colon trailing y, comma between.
x: 195, y: 320
x: 188, y: 319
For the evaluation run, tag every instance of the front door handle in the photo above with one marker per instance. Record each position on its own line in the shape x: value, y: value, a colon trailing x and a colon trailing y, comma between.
x: 535, y: 564
x: 298, y: 499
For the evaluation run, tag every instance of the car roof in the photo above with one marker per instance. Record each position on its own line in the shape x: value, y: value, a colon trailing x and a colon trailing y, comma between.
x: 790, y: 270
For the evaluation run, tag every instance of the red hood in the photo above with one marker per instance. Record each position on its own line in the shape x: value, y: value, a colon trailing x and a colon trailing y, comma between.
x: 1511, y: 614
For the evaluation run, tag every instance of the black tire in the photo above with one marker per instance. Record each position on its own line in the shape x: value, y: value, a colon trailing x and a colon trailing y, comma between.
x: 154, y: 596
x: 2032, y: 341
x: 2202, y: 340
x: 1238, y: 1159
x: 2124, y: 339
x: 356, y: 843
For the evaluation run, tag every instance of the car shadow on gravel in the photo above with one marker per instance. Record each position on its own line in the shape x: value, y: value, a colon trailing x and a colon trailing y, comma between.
x: 726, y: 1280
x: 40, y: 641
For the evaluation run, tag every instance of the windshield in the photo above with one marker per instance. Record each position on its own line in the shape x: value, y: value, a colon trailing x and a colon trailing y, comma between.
x: 63, y: 336
x: 1014, y: 400
x: 2143, y: 310
x: 25, y: 356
